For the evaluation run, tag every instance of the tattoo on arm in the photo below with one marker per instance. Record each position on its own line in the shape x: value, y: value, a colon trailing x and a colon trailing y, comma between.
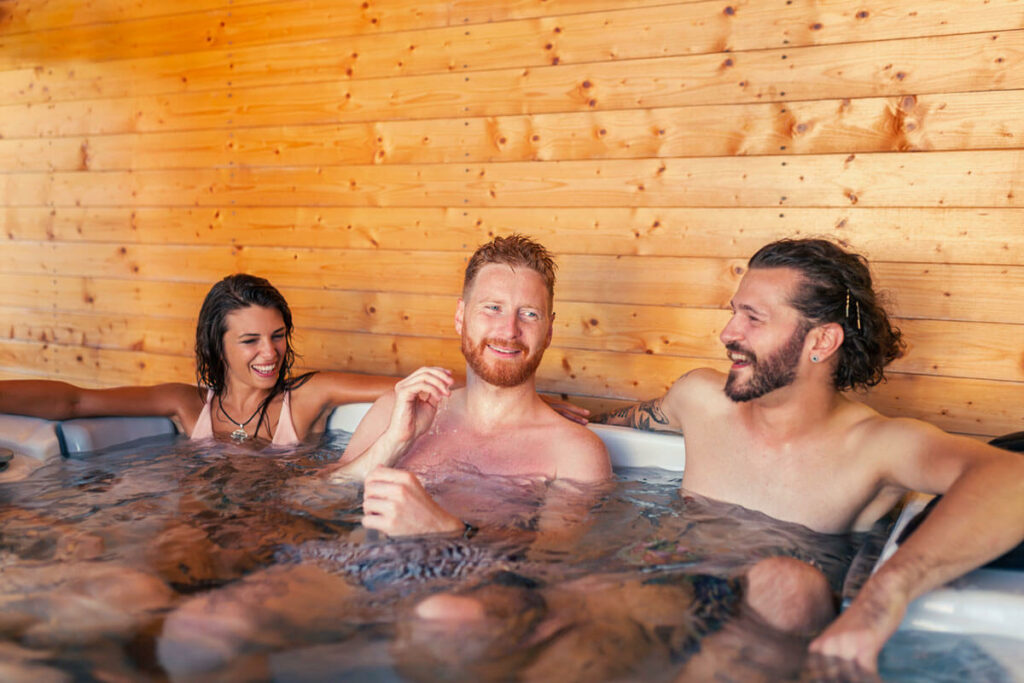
x: 647, y: 415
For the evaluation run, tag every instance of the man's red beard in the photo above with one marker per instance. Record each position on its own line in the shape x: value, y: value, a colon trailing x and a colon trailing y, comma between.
x: 501, y: 372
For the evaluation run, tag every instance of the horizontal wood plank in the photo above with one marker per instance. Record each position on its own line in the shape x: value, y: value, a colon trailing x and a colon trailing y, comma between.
x: 953, y: 121
x: 989, y: 179
x: 328, y: 51
x: 72, y: 293
x: 118, y: 368
x: 32, y: 16
x: 947, y: 235
x: 892, y: 68
x: 112, y: 35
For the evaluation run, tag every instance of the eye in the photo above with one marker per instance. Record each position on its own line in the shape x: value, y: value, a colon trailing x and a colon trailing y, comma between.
x: 279, y: 335
x: 529, y: 315
x: 248, y: 341
x: 492, y: 307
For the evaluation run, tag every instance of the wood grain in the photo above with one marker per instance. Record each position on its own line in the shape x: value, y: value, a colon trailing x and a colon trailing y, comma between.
x: 946, y: 235
x: 989, y: 179
x: 356, y: 155
x: 907, y: 123
x: 916, y: 66
x: 330, y: 51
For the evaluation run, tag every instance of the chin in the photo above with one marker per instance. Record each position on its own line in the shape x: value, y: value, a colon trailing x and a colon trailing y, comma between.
x: 262, y: 381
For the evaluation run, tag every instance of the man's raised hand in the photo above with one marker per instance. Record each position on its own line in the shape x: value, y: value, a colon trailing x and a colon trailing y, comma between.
x: 417, y: 398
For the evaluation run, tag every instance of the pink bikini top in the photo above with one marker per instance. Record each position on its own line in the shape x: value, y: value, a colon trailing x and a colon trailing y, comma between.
x: 284, y: 435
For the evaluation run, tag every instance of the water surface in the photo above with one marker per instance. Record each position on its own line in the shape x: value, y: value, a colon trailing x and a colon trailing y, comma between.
x: 212, y: 557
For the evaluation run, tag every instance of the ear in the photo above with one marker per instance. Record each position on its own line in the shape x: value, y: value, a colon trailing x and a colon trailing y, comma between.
x: 460, y: 311
x: 825, y: 340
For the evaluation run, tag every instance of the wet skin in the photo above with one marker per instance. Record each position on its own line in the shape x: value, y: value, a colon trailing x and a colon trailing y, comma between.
x: 497, y: 424
x: 806, y: 453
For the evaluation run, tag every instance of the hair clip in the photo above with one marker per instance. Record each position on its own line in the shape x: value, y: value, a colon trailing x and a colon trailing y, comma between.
x: 856, y: 303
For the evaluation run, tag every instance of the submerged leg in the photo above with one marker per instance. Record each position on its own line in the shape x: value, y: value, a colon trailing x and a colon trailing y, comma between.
x: 263, y: 611
x: 485, y: 632
x: 790, y: 595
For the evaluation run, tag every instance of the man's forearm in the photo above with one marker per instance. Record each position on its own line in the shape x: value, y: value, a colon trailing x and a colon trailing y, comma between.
x: 647, y: 415
x: 383, y: 452
x: 978, y: 519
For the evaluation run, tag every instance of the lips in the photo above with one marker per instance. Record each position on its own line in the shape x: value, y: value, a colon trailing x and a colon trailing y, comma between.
x: 739, y: 357
x: 505, y: 348
x: 264, y: 370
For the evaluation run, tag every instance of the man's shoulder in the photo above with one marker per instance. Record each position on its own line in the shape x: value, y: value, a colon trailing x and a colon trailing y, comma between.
x: 890, y: 434
x: 698, y: 385
x: 579, y: 452
x: 701, y: 378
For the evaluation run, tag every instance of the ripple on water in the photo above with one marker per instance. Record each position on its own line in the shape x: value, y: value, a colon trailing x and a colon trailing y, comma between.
x: 229, y: 551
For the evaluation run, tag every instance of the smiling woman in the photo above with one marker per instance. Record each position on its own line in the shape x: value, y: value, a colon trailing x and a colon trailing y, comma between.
x: 244, y: 359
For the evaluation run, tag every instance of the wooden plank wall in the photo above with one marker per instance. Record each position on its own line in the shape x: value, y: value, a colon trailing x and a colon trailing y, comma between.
x: 356, y: 152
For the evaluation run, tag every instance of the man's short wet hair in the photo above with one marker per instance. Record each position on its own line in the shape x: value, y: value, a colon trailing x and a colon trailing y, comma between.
x: 516, y: 251
x: 836, y: 287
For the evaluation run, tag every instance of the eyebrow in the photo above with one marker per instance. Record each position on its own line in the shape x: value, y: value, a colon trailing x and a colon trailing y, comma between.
x: 747, y: 308
x: 256, y: 334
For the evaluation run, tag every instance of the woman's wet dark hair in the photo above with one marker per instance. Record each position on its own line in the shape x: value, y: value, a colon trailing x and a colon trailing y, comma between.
x: 836, y: 288
x: 231, y: 294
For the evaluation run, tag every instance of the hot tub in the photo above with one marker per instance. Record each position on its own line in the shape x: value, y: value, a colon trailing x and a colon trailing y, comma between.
x: 986, y: 607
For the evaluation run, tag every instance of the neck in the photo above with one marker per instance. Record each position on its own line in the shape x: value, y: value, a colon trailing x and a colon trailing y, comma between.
x: 489, y: 407
x: 792, y: 411
x: 242, y: 399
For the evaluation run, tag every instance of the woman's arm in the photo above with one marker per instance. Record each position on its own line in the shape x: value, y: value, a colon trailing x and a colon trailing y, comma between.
x: 339, y: 388
x: 313, y: 400
x: 62, y: 401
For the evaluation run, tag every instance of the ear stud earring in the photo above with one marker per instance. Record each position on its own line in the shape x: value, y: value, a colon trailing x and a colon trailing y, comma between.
x: 814, y: 359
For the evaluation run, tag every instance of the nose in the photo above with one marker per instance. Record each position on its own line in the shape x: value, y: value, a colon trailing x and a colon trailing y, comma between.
x: 510, y: 326
x: 730, y: 332
x: 267, y: 348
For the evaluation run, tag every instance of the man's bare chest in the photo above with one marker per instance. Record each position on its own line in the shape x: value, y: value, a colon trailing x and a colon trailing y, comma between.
x: 812, y: 482
x: 508, y: 455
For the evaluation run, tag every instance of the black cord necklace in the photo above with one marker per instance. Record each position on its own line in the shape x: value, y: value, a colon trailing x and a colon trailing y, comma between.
x: 239, y: 434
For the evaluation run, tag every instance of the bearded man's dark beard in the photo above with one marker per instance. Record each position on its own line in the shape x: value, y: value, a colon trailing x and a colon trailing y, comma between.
x: 501, y: 373
x: 775, y: 372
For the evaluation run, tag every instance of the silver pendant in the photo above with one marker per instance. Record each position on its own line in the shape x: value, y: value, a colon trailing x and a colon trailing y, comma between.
x: 239, y: 435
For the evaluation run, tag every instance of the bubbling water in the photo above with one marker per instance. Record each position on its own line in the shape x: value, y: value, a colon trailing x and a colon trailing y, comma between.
x: 222, y: 559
